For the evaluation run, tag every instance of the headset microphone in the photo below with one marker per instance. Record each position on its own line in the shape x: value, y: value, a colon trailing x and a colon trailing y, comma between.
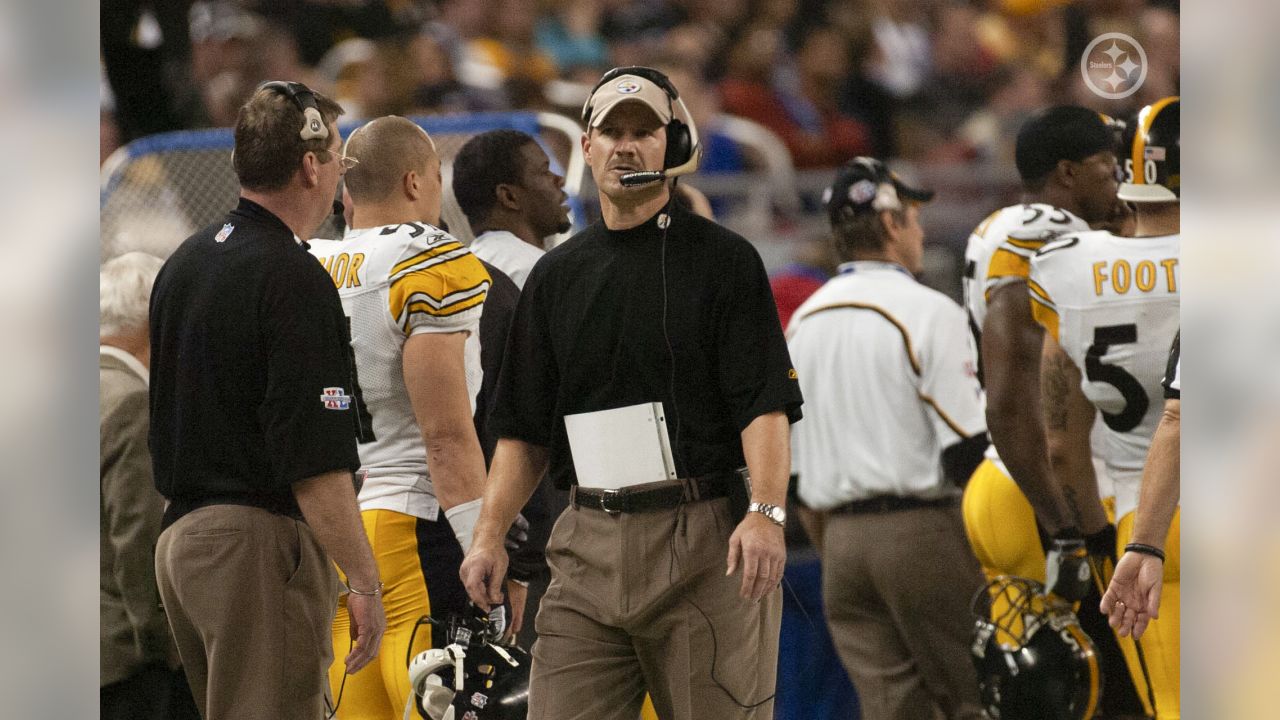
x: 644, y: 177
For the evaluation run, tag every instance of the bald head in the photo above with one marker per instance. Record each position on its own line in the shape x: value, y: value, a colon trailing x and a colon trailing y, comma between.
x: 387, y: 149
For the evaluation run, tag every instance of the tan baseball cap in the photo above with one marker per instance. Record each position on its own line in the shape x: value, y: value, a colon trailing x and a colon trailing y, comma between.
x: 626, y: 88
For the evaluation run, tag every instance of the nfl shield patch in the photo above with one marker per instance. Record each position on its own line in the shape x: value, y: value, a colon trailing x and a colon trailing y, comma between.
x: 224, y: 233
x: 335, y: 398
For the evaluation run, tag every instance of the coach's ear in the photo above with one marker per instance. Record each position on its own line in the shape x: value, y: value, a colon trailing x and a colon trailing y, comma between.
x: 310, y: 169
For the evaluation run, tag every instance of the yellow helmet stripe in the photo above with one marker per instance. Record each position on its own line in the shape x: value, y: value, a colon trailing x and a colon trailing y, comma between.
x: 1094, y: 679
x: 1145, y: 119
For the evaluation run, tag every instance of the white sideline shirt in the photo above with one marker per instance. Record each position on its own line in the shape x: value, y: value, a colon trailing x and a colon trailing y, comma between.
x: 888, y: 372
x: 508, y: 253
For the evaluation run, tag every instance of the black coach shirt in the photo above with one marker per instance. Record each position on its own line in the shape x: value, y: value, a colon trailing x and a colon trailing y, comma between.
x: 588, y: 335
x: 251, y: 379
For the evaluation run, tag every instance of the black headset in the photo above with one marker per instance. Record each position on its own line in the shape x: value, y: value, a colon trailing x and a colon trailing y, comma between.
x: 313, y: 127
x: 682, y: 137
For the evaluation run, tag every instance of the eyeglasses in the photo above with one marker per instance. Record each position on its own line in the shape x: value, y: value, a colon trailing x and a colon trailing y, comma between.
x: 346, y: 162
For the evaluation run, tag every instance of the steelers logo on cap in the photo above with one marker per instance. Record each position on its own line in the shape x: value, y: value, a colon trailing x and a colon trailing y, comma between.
x: 626, y: 87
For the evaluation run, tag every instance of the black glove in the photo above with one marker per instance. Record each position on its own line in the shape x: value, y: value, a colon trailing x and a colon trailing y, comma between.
x: 1102, y: 544
x: 1067, y: 573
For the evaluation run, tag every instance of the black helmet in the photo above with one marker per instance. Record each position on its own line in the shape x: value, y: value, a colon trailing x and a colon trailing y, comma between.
x: 474, y: 677
x: 1033, y: 660
x: 1152, y: 172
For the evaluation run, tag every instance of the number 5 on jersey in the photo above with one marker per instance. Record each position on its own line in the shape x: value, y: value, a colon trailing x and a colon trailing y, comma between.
x: 1135, y: 397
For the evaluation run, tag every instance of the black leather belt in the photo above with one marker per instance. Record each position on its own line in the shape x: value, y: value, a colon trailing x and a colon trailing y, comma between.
x: 893, y: 503
x: 656, y: 496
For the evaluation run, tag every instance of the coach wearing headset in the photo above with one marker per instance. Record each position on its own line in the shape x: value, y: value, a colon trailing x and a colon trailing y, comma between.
x: 253, y: 431
x: 651, y: 305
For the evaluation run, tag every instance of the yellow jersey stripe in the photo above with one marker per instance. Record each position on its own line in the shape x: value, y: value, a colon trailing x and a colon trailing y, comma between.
x: 1045, y: 315
x: 441, y: 283
x: 459, y: 267
x: 424, y: 255
x: 1145, y: 119
x: 401, y: 301
x: 1005, y: 263
x: 419, y: 306
x: 981, y: 230
x: 1035, y: 288
x: 1032, y: 245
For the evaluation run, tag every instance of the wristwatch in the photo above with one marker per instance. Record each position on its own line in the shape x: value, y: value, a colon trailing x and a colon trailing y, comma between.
x: 775, y: 514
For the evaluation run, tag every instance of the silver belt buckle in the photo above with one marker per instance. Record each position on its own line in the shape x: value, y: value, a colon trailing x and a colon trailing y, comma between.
x: 604, y: 501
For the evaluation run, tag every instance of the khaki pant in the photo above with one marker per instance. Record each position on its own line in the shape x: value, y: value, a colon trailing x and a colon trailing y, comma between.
x: 250, y: 596
x: 896, y: 588
x: 640, y: 602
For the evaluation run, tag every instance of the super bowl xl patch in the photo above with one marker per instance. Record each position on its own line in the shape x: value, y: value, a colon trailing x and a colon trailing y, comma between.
x: 224, y: 233
x: 335, y: 398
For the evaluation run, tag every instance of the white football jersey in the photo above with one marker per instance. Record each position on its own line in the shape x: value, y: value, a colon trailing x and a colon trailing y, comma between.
x: 396, y: 281
x: 999, y: 252
x: 1112, y: 304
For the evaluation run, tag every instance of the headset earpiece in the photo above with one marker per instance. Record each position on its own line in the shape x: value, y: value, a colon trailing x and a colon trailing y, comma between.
x: 682, y: 136
x: 313, y: 127
x: 679, y: 144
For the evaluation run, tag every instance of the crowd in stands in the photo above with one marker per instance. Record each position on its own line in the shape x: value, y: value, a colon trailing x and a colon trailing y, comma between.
x: 923, y: 80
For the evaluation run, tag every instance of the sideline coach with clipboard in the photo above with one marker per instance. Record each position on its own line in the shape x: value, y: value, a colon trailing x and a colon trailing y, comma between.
x: 651, y: 305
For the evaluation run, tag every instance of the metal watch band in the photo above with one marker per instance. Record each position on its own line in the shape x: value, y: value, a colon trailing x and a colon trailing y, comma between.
x: 776, y: 515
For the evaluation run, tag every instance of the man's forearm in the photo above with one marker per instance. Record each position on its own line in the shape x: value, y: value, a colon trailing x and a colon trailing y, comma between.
x: 1161, y: 487
x: 434, y: 367
x: 328, y: 502
x: 456, y: 465
x: 1011, y: 349
x: 1068, y: 424
x: 766, y: 444
x: 517, y: 468
x: 1018, y: 434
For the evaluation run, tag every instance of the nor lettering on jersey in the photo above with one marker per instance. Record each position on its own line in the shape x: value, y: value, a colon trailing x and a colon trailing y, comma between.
x: 344, y: 269
x: 335, y: 398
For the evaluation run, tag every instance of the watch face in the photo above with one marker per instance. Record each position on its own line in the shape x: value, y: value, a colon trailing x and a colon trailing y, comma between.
x: 773, y: 512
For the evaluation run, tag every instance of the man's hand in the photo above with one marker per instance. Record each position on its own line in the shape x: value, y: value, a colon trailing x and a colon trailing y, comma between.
x: 758, y: 546
x: 1132, y: 599
x: 519, y: 594
x: 483, y: 571
x: 368, y: 623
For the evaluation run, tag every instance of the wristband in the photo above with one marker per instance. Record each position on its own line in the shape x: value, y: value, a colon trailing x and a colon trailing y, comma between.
x: 462, y: 518
x: 1144, y: 549
x: 367, y: 593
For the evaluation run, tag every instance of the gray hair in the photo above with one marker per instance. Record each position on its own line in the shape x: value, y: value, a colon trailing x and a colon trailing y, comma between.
x: 124, y: 292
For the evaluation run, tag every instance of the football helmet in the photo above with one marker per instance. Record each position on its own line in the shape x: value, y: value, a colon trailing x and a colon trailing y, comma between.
x: 1033, y: 660
x: 473, y: 677
x: 1152, y: 172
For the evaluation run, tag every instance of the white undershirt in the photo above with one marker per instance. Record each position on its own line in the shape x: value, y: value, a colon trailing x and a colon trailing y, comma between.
x: 508, y: 253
